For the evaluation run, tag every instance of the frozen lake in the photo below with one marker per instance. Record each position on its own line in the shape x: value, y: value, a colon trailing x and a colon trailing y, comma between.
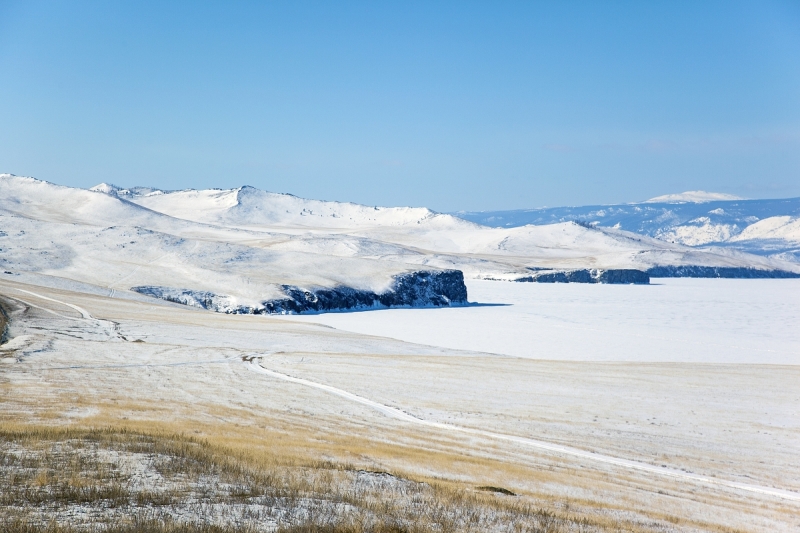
x: 672, y: 320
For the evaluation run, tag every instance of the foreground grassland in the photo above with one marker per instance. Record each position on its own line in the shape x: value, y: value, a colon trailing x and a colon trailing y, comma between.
x: 63, y: 480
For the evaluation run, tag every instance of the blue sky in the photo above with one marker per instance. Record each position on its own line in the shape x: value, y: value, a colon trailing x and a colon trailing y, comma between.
x: 463, y: 105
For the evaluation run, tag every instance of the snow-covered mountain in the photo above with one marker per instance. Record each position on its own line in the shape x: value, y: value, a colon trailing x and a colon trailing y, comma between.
x: 695, y: 218
x: 245, y: 250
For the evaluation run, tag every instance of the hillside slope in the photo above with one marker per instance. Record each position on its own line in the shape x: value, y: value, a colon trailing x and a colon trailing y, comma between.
x: 105, y: 241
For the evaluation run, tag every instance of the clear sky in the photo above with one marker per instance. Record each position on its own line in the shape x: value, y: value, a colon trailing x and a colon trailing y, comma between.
x: 462, y: 105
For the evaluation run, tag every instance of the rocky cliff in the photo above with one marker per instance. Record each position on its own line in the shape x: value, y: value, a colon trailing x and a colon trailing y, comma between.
x: 693, y: 271
x: 416, y: 289
x: 619, y: 275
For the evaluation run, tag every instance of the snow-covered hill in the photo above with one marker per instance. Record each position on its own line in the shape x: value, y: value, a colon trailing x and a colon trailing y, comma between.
x: 250, y: 207
x: 107, y: 241
x: 775, y: 236
x: 245, y: 250
x: 693, y: 219
x: 47, y: 202
x: 786, y: 227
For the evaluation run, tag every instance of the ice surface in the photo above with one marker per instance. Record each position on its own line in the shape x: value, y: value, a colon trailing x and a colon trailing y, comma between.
x: 673, y: 320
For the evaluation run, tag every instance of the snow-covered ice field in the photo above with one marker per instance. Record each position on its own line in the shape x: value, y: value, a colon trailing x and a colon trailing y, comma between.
x: 672, y: 320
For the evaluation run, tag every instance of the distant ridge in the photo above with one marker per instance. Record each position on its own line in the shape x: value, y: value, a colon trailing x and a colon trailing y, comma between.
x: 696, y: 197
x: 764, y: 227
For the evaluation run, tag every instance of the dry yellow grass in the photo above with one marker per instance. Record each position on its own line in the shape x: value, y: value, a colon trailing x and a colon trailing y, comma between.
x: 57, y: 470
x: 287, y: 443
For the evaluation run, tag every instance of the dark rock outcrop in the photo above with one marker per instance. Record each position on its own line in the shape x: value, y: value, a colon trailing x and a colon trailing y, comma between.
x: 622, y: 275
x: 694, y: 271
x: 202, y: 299
x: 616, y: 276
x: 415, y: 289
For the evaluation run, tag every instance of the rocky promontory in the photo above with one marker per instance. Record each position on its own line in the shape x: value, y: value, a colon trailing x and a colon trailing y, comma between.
x: 440, y: 288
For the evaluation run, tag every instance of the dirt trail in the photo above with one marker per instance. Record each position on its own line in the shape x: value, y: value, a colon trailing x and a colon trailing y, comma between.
x: 83, y: 312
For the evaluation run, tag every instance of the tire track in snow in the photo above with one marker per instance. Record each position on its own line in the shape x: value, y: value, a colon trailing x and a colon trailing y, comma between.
x: 111, y: 327
x: 83, y: 312
x: 533, y: 443
x: 45, y: 309
x: 142, y: 365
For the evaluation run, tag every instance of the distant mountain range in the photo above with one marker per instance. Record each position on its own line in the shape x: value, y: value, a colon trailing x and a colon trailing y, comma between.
x: 245, y: 250
x: 695, y: 218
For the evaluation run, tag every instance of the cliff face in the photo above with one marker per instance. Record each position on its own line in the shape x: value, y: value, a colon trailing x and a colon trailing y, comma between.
x: 415, y: 289
x: 693, y: 271
x: 620, y: 275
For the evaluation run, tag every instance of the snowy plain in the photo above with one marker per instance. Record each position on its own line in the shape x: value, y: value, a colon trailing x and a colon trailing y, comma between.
x: 676, y: 439
x: 635, y: 397
x: 685, y: 320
